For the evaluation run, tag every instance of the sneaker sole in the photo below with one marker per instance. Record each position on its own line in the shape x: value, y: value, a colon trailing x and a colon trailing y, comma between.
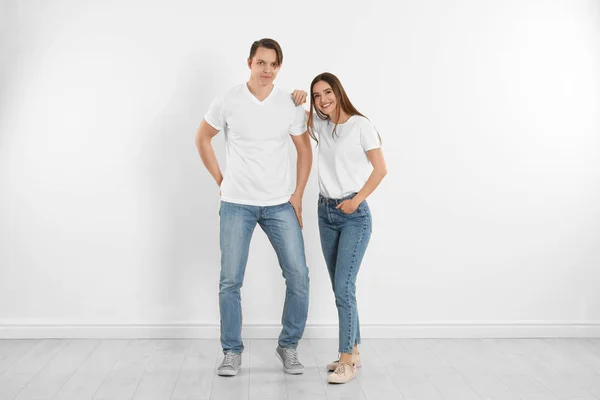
x: 340, y: 383
x: 227, y: 373
x: 286, y: 370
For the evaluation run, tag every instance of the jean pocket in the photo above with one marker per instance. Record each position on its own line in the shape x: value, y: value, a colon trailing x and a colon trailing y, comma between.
x: 361, y: 210
x: 355, y: 212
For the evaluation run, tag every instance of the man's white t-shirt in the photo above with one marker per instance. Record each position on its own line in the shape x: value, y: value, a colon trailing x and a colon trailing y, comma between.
x: 344, y: 167
x: 256, y: 144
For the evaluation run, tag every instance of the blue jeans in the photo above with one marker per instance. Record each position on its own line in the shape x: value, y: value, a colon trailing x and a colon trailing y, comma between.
x: 281, y: 225
x: 344, y: 240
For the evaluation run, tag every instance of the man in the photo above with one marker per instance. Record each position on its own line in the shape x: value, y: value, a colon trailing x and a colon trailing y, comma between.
x: 258, y: 118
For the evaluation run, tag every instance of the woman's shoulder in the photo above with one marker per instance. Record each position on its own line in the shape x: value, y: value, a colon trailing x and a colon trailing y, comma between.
x: 362, y: 125
x: 361, y: 121
x: 367, y: 130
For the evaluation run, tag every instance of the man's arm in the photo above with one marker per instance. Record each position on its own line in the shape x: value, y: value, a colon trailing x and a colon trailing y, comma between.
x: 207, y: 153
x: 304, y: 164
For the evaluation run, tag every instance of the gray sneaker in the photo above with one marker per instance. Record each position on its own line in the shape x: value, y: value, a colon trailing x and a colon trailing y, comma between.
x: 230, y: 365
x: 289, y: 359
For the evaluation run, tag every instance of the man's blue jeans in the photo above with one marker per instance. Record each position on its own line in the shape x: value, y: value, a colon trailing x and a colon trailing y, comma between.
x: 281, y: 225
x: 344, y: 240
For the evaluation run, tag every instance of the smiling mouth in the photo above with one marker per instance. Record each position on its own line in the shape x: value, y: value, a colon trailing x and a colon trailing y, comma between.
x: 325, y: 106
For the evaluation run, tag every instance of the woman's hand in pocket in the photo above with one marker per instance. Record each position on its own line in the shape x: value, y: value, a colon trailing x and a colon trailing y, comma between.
x: 348, y: 206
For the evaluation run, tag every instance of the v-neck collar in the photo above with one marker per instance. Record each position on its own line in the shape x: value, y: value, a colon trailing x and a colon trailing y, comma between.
x: 253, y: 97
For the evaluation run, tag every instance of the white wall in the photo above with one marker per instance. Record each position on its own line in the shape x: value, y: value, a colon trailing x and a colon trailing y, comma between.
x: 488, y: 222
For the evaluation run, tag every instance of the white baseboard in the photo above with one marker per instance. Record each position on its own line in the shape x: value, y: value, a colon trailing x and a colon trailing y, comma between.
x: 535, y: 329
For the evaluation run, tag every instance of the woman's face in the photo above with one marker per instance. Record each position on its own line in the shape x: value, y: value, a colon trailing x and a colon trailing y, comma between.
x: 324, y: 98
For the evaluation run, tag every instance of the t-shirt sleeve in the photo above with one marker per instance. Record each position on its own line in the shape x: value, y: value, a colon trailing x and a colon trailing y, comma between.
x: 216, y: 114
x: 298, y: 127
x: 369, y: 136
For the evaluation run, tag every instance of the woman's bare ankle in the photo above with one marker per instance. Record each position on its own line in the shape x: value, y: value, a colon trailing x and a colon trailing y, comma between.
x: 346, y: 358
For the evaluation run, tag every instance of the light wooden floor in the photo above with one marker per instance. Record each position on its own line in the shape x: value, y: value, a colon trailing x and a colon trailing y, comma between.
x: 461, y: 369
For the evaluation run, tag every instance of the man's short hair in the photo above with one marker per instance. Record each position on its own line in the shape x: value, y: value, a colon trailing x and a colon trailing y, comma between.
x: 268, y: 44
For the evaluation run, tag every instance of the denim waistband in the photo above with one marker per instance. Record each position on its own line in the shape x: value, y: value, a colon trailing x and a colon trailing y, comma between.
x: 323, y: 199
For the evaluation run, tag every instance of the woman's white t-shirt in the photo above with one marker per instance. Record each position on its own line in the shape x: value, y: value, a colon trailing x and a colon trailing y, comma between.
x: 257, y: 139
x: 343, y: 164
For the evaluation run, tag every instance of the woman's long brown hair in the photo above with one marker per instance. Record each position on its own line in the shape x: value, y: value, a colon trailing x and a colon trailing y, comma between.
x: 342, y: 103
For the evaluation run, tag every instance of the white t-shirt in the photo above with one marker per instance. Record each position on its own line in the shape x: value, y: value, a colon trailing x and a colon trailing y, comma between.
x: 256, y: 144
x: 343, y: 164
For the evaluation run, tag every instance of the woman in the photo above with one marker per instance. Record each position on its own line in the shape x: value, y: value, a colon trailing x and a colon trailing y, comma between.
x: 351, y: 166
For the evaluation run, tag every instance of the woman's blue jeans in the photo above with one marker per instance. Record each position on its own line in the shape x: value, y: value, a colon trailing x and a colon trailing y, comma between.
x: 344, y: 240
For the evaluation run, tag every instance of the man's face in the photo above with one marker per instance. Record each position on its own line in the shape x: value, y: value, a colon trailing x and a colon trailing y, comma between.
x: 263, y: 66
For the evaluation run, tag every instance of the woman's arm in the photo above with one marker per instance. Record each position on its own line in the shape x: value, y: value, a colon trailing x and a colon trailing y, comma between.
x: 375, y: 156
